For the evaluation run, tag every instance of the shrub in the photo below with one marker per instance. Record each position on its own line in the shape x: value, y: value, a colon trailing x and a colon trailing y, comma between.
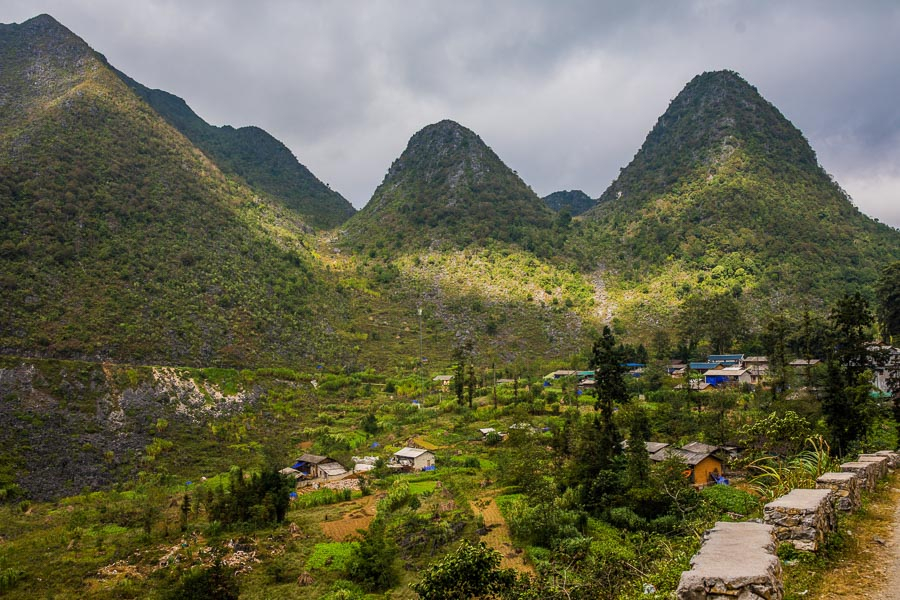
x: 730, y: 499
x: 626, y: 518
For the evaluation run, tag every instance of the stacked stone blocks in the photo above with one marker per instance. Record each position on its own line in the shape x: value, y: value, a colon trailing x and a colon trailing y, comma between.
x: 845, y: 488
x: 737, y: 561
x: 802, y: 517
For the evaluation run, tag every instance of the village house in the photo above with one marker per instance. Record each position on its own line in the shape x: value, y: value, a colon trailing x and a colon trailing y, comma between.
x: 726, y: 360
x: 444, y: 380
x: 887, y: 368
x: 413, y: 459
x: 757, y: 367
x: 697, y: 385
x: 560, y: 374
x: 704, y: 467
x: 727, y: 376
x: 803, y: 362
x: 312, y: 466
x: 703, y: 367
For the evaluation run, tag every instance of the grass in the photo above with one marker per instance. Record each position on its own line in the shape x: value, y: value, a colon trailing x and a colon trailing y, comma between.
x: 331, y: 556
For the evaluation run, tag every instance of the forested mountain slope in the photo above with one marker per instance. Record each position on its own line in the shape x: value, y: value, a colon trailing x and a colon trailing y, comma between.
x: 120, y: 240
x: 254, y: 155
x: 726, y: 197
x: 448, y: 189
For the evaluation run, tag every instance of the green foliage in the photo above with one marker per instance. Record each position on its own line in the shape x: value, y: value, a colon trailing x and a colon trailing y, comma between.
x: 781, y: 434
x: 730, y: 499
x: 888, y: 293
x: 333, y: 556
x: 471, y: 571
x: 9, y: 578
x: 323, y: 497
x: 212, y: 583
x: 371, y: 564
x: 847, y: 406
x: 259, y: 498
x: 773, y: 477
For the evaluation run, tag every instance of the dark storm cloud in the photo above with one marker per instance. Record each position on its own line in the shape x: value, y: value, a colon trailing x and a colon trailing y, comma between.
x: 564, y: 92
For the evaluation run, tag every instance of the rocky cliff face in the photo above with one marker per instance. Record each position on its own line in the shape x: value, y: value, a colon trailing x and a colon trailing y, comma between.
x: 73, y: 426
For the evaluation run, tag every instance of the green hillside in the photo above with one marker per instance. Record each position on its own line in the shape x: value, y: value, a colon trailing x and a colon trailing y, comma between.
x: 263, y: 162
x: 453, y: 230
x: 120, y: 240
x: 726, y: 197
x: 449, y: 190
x: 575, y: 202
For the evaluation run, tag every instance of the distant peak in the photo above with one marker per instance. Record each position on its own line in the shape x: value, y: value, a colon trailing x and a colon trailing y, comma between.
x: 45, y: 23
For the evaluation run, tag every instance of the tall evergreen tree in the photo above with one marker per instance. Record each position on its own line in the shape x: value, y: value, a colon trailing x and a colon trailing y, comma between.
x: 846, y: 405
x: 609, y: 374
x: 638, y: 461
x: 888, y: 292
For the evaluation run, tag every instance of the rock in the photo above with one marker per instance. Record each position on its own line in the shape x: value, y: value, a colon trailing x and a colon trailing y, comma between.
x: 737, y: 560
x: 845, y: 487
x: 802, y: 517
x: 865, y: 471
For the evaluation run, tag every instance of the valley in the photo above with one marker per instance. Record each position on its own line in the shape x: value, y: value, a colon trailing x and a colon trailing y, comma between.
x: 220, y: 380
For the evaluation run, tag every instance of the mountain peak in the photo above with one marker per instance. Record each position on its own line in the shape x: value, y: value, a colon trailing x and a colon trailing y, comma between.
x: 449, y: 186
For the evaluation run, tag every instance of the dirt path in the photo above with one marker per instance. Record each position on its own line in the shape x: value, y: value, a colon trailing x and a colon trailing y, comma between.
x: 875, y: 573
x: 498, y: 536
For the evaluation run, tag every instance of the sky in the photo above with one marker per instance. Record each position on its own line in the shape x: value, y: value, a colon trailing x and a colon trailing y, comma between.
x: 563, y: 91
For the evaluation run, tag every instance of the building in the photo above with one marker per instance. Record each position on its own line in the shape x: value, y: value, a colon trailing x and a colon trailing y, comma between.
x: 727, y: 376
x: 444, y: 380
x: 758, y: 367
x: 727, y: 360
x: 312, y: 466
x: 559, y: 374
x: 702, y: 467
x: 413, y: 459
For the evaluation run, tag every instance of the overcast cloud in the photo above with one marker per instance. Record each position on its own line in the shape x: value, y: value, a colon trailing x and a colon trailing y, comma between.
x: 564, y: 92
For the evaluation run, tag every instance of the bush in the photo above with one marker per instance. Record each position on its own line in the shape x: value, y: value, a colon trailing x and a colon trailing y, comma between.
x: 730, y: 499
x: 626, y: 518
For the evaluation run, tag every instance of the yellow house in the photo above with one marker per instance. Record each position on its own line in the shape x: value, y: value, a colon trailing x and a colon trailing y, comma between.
x: 701, y: 466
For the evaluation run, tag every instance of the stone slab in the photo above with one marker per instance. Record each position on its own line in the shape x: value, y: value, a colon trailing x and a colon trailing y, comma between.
x: 802, y: 517
x: 803, y: 500
x: 846, y: 489
x: 882, y: 461
x: 864, y: 470
x: 737, y: 560
x: 893, y: 457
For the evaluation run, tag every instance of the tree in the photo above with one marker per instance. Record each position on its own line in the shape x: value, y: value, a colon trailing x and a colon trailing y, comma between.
x: 774, y: 341
x: 888, y: 293
x: 638, y: 460
x: 471, y: 571
x: 372, y: 563
x: 609, y: 375
x: 846, y: 405
x: 470, y: 383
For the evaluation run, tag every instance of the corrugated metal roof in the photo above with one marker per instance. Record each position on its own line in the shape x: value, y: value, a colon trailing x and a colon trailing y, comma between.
x: 410, y: 452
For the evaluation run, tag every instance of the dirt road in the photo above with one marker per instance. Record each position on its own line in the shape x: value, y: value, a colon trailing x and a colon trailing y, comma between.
x: 874, y: 571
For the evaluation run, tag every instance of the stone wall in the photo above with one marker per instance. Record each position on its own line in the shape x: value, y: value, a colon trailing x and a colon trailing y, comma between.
x: 866, y: 472
x: 737, y: 561
x: 881, y: 461
x: 802, y: 517
x: 893, y: 457
x: 845, y: 488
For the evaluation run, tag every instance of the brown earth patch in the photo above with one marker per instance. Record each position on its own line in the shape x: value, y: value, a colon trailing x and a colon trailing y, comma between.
x: 498, y: 536
x: 359, y: 514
